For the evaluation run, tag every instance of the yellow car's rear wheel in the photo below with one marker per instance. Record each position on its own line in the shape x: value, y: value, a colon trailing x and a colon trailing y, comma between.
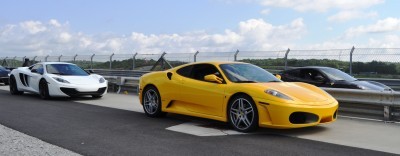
x: 243, y: 114
x: 152, y: 102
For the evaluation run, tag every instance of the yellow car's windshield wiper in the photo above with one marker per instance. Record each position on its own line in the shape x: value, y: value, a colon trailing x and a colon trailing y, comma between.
x: 247, y: 81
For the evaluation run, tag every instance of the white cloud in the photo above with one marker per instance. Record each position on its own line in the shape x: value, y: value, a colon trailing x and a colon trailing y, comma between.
x: 65, y: 37
x: 33, y: 27
x: 321, y: 5
x: 53, y: 38
x: 347, y: 15
x: 389, y: 41
x: 54, y: 23
x: 382, y: 26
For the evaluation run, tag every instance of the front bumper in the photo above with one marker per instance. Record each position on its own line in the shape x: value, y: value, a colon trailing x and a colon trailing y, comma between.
x: 4, y: 79
x: 65, y: 90
x: 275, y: 115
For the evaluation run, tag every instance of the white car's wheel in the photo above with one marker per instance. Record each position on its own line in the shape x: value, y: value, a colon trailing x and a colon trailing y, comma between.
x: 13, y: 87
x: 44, y: 90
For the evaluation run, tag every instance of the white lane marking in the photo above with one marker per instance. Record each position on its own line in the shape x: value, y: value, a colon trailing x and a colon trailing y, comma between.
x: 360, y: 118
x: 197, y: 129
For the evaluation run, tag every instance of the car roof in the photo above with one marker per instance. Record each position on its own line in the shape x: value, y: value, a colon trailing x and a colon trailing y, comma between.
x: 310, y: 67
x: 54, y: 63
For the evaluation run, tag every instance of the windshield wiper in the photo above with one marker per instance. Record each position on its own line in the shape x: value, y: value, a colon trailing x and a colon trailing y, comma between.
x: 275, y: 81
x: 246, y: 81
x: 58, y: 73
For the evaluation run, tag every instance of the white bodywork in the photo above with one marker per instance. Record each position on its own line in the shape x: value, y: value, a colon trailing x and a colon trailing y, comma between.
x: 84, y: 85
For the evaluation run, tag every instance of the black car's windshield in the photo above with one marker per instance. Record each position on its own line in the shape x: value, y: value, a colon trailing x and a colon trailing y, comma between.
x: 65, y: 69
x: 247, y: 73
x: 337, y: 75
x: 2, y: 68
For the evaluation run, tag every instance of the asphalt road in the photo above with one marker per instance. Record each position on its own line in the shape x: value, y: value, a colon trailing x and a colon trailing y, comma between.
x: 94, y: 130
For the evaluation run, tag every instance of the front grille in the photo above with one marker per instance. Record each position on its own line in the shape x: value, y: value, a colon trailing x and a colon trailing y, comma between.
x: 74, y: 92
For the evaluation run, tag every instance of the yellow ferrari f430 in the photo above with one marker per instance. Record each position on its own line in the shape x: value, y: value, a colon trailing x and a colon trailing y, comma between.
x: 244, y: 95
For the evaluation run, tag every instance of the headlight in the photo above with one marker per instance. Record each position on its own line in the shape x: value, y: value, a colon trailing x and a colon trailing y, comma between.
x: 102, y: 80
x: 60, y: 80
x: 277, y: 94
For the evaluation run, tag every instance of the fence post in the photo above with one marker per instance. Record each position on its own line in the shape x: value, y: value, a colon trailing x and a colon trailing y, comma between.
x: 134, y: 61
x: 235, y: 56
x: 111, y: 60
x: 76, y: 55
x: 34, y: 59
x: 195, y: 56
x: 286, y: 57
x: 23, y: 59
x: 45, y: 59
x: 91, y: 61
x: 351, y: 61
x: 59, y: 58
x: 5, y: 62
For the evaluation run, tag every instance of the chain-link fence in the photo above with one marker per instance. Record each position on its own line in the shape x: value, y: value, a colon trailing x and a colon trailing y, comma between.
x: 360, y: 62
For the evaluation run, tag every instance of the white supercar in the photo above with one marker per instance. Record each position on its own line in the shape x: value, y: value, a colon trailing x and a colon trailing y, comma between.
x: 56, y: 79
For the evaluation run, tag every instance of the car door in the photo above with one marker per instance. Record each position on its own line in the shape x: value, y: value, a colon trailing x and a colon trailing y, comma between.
x: 34, y: 77
x: 201, y: 96
x: 314, y: 77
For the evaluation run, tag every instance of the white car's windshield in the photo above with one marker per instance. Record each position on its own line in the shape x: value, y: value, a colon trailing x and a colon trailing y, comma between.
x: 65, y: 69
x: 247, y: 73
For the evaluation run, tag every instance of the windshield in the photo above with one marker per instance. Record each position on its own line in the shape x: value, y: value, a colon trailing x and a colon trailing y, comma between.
x: 243, y: 73
x: 65, y: 69
x: 2, y: 68
x: 337, y: 75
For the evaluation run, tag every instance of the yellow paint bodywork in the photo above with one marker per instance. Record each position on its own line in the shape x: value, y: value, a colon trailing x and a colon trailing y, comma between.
x: 210, y: 100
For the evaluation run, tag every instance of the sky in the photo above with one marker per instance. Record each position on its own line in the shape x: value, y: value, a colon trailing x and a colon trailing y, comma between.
x: 69, y: 27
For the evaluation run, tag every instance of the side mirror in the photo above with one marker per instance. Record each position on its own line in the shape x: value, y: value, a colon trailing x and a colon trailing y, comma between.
x: 213, y: 78
x: 90, y: 71
x: 278, y: 76
x: 34, y: 71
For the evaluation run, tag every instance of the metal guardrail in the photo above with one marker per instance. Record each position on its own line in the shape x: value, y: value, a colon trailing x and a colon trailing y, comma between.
x: 119, y: 83
x: 382, y: 105
x: 120, y: 73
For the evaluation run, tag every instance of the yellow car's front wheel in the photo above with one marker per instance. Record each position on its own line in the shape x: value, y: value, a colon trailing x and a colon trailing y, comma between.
x: 243, y: 114
x: 152, y: 102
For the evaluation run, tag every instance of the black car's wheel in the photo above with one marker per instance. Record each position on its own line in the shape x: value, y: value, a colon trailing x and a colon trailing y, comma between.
x: 13, y: 87
x: 97, y: 96
x: 152, y: 102
x: 242, y: 113
x: 44, y: 90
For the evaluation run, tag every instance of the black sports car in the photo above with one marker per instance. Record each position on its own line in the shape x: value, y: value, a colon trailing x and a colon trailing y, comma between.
x: 329, y: 77
x: 4, y: 75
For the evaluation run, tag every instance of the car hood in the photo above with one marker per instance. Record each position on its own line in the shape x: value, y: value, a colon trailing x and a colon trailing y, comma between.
x: 368, y: 85
x: 3, y: 73
x: 82, y: 80
x: 301, y: 93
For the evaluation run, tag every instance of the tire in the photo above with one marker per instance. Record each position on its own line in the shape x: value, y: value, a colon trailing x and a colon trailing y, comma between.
x: 97, y: 96
x: 242, y: 113
x: 44, y: 90
x: 152, y: 102
x: 13, y: 87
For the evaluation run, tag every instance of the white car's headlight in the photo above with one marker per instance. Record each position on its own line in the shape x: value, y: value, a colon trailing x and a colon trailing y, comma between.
x: 102, y: 80
x: 60, y: 80
x: 278, y: 94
